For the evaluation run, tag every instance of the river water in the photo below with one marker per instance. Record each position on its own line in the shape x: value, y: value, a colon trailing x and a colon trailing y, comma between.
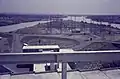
x: 19, y: 26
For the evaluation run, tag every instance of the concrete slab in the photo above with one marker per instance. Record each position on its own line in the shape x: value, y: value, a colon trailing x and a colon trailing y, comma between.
x: 94, y: 75
x: 110, y: 74
x: 4, y: 76
x: 25, y: 76
x: 74, y: 75
x: 113, y: 74
x: 37, y: 76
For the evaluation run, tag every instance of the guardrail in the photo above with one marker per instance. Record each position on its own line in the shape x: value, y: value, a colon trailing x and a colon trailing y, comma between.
x: 50, y: 57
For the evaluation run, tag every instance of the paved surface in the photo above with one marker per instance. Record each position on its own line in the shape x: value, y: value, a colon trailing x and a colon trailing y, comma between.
x: 110, y: 74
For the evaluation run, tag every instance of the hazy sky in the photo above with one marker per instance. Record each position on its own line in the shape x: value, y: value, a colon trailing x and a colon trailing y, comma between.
x: 60, y: 6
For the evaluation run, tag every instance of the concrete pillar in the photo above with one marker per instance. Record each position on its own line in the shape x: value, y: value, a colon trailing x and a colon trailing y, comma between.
x: 64, y: 70
x: 16, y: 44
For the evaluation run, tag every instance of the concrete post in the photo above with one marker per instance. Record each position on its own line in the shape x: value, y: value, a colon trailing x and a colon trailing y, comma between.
x: 16, y: 45
x: 64, y: 70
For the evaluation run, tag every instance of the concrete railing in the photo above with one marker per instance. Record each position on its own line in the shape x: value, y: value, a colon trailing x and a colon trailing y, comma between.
x: 56, y: 57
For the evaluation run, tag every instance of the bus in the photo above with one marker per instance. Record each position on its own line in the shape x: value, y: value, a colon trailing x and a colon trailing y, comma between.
x: 41, y: 48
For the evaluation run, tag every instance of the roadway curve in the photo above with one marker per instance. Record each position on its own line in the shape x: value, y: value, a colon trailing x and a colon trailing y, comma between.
x: 65, y: 40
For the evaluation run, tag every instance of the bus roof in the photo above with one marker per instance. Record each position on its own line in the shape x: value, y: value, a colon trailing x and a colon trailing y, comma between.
x: 41, y: 47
